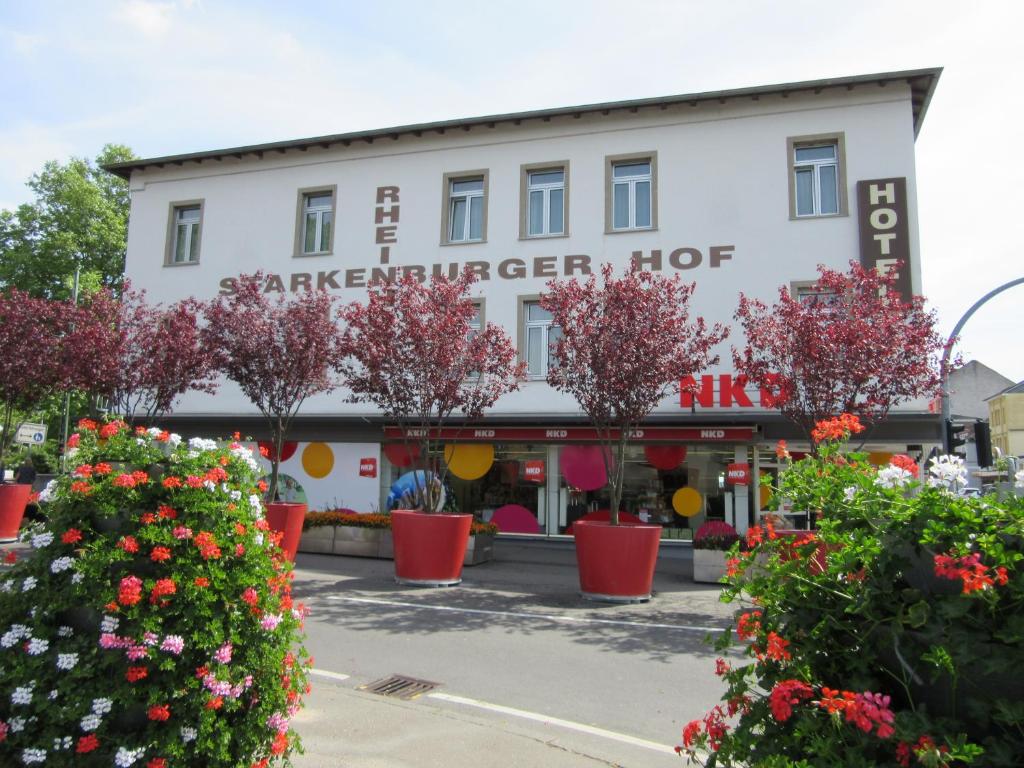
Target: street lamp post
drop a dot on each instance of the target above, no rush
(944, 365)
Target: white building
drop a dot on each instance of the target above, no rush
(741, 190)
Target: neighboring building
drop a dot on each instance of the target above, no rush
(740, 190)
(1006, 420)
(970, 387)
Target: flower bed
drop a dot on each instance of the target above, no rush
(891, 635)
(153, 624)
(710, 544)
(369, 535)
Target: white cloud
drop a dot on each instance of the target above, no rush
(152, 19)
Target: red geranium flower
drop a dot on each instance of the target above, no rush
(201, 581)
(157, 762)
(136, 673)
(87, 744)
(159, 712)
(166, 512)
(785, 694)
(128, 544)
(160, 554)
(171, 482)
(71, 536)
(103, 468)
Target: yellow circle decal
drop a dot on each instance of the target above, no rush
(318, 460)
(469, 462)
(687, 502)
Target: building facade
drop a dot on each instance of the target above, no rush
(743, 190)
(1006, 420)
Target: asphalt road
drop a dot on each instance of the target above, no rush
(517, 635)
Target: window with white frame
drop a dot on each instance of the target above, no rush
(541, 336)
(466, 210)
(317, 221)
(187, 222)
(546, 202)
(816, 179)
(632, 194)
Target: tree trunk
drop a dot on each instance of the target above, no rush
(275, 460)
(5, 439)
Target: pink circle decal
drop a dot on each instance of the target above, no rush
(665, 456)
(583, 467)
(514, 518)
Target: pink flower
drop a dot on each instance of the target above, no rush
(137, 652)
(173, 644)
(223, 654)
(270, 621)
(181, 532)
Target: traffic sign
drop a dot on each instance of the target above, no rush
(31, 434)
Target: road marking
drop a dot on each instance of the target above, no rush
(547, 720)
(523, 615)
(325, 673)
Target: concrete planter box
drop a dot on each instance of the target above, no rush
(709, 565)
(319, 541)
(377, 542)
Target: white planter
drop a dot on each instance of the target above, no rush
(480, 549)
(709, 565)
(361, 542)
(377, 542)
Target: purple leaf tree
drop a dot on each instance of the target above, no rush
(414, 353)
(855, 347)
(279, 351)
(625, 344)
(33, 359)
(140, 357)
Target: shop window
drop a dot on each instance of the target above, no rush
(539, 335)
(184, 233)
(816, 176)
(315, 225)
(465, 208)
(631, 193)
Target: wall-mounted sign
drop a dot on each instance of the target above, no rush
(31, 434)
(574, 434)
(368, 467)
(534, 471)
(882, 221)
(737, 474)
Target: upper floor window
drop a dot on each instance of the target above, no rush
(816, 176)
(317, 221)
(541, 335)
(545, 191)
(465, 211)
(631, 194)
(185, 232)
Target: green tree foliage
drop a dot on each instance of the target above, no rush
(79, 216)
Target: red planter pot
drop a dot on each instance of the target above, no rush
(616, 562)
(287, 517)
(13, 499)
(429, 549)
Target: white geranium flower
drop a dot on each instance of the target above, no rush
(236, 495)
(29, 756)
(109, 623)
(154, 432)
(47, 493)
(41, 540)
(16, 724)
(76, 578)
(210, 485)
(91, 722)
(62, 564)
(947, 472)
(52, 695)
(892, 477)
(174, 440)
(126, 757)
(66, 661)
(202, 444)
(29, 583)
(22, 695)
(188, 734)
(63, 631)
(37, 646)
(101, 706)
(850, 492)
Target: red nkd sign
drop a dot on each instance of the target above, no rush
(737, 474)
(534, 471)
(731, 392)
(368, 467)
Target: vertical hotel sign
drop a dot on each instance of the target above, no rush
(882, 220)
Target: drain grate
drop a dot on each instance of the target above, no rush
(399, 687)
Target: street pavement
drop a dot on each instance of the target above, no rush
(529, 673)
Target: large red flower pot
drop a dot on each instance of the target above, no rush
(429, 549)
(13, 499)
(287, 517)
(616, 562)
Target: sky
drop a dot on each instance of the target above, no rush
(176, 76)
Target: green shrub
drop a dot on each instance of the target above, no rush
(891, 635)
(153, 622)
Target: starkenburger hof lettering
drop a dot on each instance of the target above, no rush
(570, 265)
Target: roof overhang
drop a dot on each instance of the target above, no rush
(922, 84)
